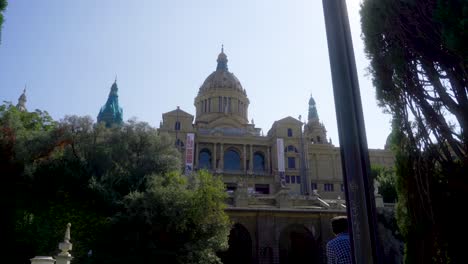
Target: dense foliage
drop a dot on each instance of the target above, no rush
(3, 5)
(419, 63)
(385, 178)
(120, 187)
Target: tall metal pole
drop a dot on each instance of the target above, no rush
(353, 144)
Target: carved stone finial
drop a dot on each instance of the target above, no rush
(66, 246)
(67, 233)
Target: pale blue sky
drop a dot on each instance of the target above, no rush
(68, 53)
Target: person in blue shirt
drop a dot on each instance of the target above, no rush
(339, 248)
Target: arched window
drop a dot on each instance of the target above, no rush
(289, 132)
(259, 162)
(177, 125)
(231, 160)
(204, 159)
(319, 139)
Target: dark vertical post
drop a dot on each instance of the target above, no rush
(353, 144)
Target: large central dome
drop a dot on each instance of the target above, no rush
(222, 78)
(221, 98)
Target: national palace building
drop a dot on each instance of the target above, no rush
(283, 187)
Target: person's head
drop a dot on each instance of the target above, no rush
(339, 224)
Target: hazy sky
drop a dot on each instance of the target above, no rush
(69, 52)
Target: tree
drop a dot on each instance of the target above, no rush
(386, 180)
(117, 182)
(418, 56)
(175, 220)
(3, 5)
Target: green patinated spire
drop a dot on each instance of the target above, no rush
(111, 113)
(313, 115)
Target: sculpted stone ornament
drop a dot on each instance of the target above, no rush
(66, 246)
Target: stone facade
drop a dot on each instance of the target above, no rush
(284, 215)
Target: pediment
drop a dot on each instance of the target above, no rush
(289, 120)
(178, 112)
(225, 122)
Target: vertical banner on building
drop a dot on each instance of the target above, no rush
(189, 149)
(280, 155)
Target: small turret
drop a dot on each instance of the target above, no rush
(315, 131)
(222, 61)
(22, 101)
(313, 115)
(111, 113)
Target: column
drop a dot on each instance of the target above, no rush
(213, 158)
(221, 158)
(195, 160)
(245, 158)
(251, 159)
(267, 164)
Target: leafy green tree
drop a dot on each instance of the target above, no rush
(175, 220)
(418, 55)
(3, 5)
(387, 182)
(104, 180)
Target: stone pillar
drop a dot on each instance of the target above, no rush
(245, 158)
(195, 160)
(64, 257)
(378, 197)
(267, 164)
(214, 158)
(251, 160)
(42, 260)
(221, 158)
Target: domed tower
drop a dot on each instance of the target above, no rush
(315, 131)
(221, 100)
(22, 101)
(111, 113)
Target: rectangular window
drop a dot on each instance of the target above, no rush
(291, 163)
(224, 104)
(293, 179)
(289, 132)
(209, 104)
(287, 178)
(177, 125)
(328, 187)
(313, 185)
(206, 105)
(298, 179)
(229, 105)
(262, 188)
